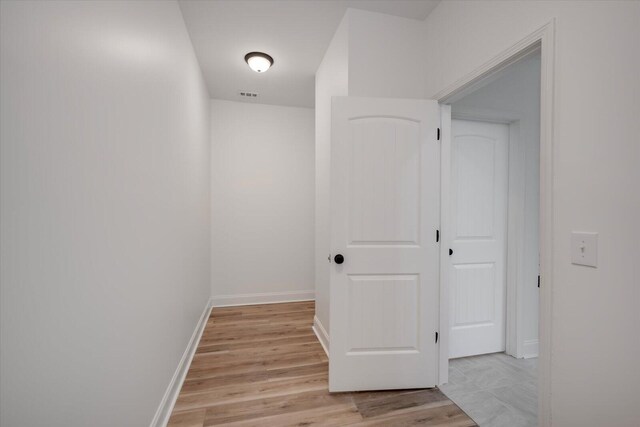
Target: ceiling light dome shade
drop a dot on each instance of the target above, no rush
(258, 61)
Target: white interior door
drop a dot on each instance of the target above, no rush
(385, 183)
(478, 237)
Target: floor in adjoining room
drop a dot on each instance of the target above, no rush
(496, 390)
(262, 365)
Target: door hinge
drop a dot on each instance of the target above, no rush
(538, 280)
(437, 236)
(438, 134)
(436, 337)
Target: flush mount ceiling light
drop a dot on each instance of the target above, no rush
(258, 61)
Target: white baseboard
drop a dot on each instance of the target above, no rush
(321, 333)
(530, 349)
(263, 298)
(168, 401)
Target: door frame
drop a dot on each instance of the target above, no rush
(542, 39)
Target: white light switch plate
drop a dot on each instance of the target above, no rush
(584, 248)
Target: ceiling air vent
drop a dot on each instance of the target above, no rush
(247, 94)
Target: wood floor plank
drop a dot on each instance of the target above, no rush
(243, 392)
(253, 366)
(268, 361)
(262, 365)
(267, 407)
(187, 419)
(261, 317)
(434, 414)
(262, 380)
(396, 401)
(232, 334)
(262, 351)
(337, 415)
(198, 385)
(263, 309)
(249, 344)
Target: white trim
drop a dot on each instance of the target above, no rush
(543, 39)
(530, 349)
(489, 115)
(515, 241)
(262, 298)
(321, 333)
(478, 78)
(163, 413)
(547, 229)
(445, 232)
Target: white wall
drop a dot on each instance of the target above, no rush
(263, 202)
(384, 55)
(332, 79)
(517, 91)
(595, 347)
(104, 209)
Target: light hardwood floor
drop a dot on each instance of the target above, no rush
(262, 365)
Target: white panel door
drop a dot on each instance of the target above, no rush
(385, 183)
(478, 237)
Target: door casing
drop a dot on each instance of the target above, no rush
(542, 39)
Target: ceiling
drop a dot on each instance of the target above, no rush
(295, 33)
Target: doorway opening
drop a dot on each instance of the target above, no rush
(492, 269)
(389, 305)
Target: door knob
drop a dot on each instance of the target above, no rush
(450, 252)
(339, 259)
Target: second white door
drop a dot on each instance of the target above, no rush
(479, 171)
